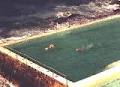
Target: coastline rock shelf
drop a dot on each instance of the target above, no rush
(20, 18)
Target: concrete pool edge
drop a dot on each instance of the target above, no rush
(98, 79)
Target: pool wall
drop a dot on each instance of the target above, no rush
(26, 73)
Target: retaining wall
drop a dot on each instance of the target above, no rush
(23, 75)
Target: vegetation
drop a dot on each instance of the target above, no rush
(115, 83)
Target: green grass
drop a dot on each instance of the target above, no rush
(115, 83)
(101, 44)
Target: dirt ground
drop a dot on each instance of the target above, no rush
(5, 83)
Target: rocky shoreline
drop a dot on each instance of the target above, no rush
(54, 24)
(58, 28)
(60, 16)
